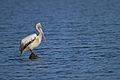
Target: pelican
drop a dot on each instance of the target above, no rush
(32, 41)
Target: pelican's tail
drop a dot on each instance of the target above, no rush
(21, 49)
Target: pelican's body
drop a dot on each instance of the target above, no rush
(32, 41)
(36, 40)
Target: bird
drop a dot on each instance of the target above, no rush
(32, 41)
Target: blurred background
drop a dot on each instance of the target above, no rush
(83, 39)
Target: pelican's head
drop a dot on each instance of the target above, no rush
(39, 25)
(39, 29)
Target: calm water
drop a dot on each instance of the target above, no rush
(83, 39)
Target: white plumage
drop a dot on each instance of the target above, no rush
(28, 38)
(32, 41)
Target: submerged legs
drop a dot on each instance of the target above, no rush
(33, 55)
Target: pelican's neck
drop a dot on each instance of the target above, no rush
(39, 30)
(40, 35)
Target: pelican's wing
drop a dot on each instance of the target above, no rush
(28, 38)
(26, 41)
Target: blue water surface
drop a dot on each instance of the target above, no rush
(83, 39)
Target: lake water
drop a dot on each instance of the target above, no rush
(83, 39)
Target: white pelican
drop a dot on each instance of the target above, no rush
(32, 41)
